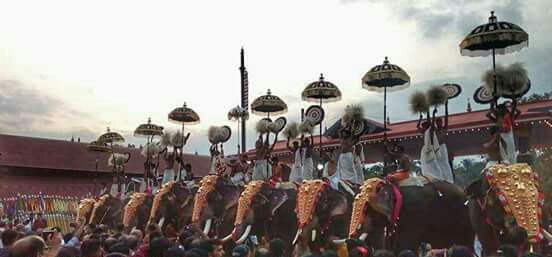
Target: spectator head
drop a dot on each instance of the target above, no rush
(407, 253)
(137, 234)
(174, 251)
(30, 246)
(196, 253)
(240, 251)
(188, 243)
(459, 251)
(68, 251)
(158, 246)
(329, 253)
(360, 251)
(276, 247)
(507, 251)
(212, 247)
(131, 242)
(9, 237)
(119, 248)
(91, 248)
(383, 253)
(262, 252)
(108, 243)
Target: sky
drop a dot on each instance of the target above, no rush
(73, 68)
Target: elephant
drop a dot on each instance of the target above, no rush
(401, 218)
(108, 210)
(172, 207)
(86, 206)
(215, 206)
(505, 201)
(267, 213)
(137, 211)
(323, 214)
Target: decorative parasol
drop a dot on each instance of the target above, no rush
(268, 104)
(111, 137)
(385, 77)
(148, 130)
(321, 91)
(238, 114)
(185, 116)
(494, 38)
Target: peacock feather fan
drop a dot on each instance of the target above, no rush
(418, 103)
(489, 79)
(262, 126)
(212, 134)
(306, 127)
(436, 95)
(353, 113)
(151, 149)
(292, 130)
(515, 78)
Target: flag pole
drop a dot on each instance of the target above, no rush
(244, 98)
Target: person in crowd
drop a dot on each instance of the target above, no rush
(306, 158)
(241, 251)
(504, 116)
(30, 246)
(68, 251)
(91, 248)
(262, 252)
(174, 251)
(296, 170)
(277, 248)
(460, 251)
(8, 239)
(383, 253)
(119, 247)
(158, 246)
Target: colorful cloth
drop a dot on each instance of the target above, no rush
(261, 171)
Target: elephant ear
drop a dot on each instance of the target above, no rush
(383, 201)
(277, 199)
(475, 189)
(338, 201)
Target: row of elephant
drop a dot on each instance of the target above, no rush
(314, 214)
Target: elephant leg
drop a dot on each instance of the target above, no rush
(486, 234)
(408, 238)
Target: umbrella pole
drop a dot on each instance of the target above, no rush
(181, 166)
(238, 136)
(268, 157)
(495, 95)
(384, 124)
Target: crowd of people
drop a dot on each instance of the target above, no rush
(103, 241)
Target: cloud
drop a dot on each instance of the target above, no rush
(31, 112)
(439, 18)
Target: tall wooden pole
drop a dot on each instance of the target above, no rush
(244, 98)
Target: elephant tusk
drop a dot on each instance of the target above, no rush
(207, 227)
(339, 241)
(313, 235)
(363, 236)
(297, 236)
(161, 221)
(228, 237)
(244, 236)
(547, 235)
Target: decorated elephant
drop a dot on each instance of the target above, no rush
(401, 218)
(137, 211)
(107, 210)
(215, 206)
(506, 201)
(266, 213)
(172, 207)
(323, 215)
(86, 206)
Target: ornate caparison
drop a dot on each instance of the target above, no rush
(246, 197)
(165, 189)
(136, 200)
(307, 197)
(362, 199)
(517, 189)
(97, 205)
(206, 186)
(85, 208)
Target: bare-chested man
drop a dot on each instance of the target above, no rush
(262, 153)
(308, 164)
(345, 170)
(297, 169)
(504, 119)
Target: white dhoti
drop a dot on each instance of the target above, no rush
(508, 149)
(168, 176)
(262, 171)
(297, 169)
(238, 179)
(345, 167)
(434, 159)
(308, 169)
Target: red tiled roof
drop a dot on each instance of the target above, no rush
(30, 152)
(458, 121)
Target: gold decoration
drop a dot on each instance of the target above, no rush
(85, 208)
(246, 197)
(307, 197)
(518, 185)
(206, 186)
(367, 192)
(136, 200)
(165, 189)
